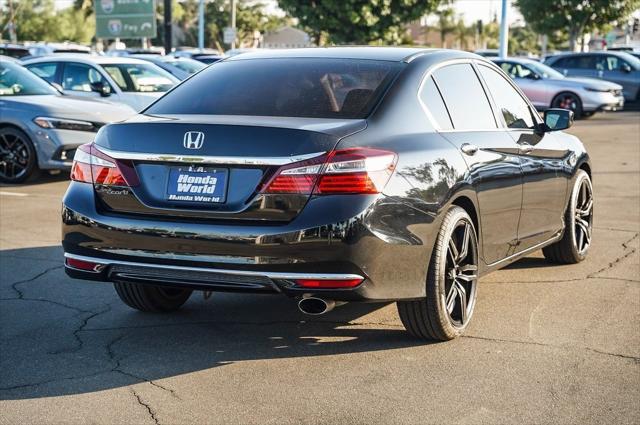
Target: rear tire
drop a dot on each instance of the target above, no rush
(149, 298)
(575, 243)
(450, 299)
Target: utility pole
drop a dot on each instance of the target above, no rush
(201, 25)
(233, 21)
(504, 30)
(11, 25)
(167, 27)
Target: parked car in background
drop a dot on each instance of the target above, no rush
(548, 88)
(487, 53)
(153, 50)
(40, 128)
(331, 175)
(618, 67)
(239, 51)
(206, 56)
(13, 50)
(37, 50)
(132, 81)
(179, 67)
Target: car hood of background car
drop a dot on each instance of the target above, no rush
(590, 83)
(71, 107)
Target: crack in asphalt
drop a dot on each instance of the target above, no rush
(14, 286)
(76, 333)
(542, 344)
(141, 402)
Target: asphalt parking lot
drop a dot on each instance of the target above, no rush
(548, 344)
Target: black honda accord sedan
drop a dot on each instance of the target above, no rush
(330, 176)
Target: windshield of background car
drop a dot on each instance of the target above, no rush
(283, 87)
(544, 70)
(17, 81)
(134, 77)
(188, 65)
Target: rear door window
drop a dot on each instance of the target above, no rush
(432, 99)
(465, 98)
(514, 109)
(285, 87)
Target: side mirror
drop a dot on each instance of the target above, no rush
(625, 68)
(102, 88)
(558, 119)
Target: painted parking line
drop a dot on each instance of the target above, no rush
(2, 193)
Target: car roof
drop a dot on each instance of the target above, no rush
(396, 54)
(88, 59)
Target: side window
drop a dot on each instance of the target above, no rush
(78, 77)
(465, 98)
(510, 69)
(115, 73)
(432, 100)
(613, 63)
(514, 109)
(44, 70)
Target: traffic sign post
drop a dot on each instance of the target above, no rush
(125, 18)
(229, 35)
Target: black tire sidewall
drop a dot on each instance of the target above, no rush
(436, 284)
(571, 214)
(32, 167)
(578, 111)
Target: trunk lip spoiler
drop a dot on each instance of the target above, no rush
(207, 159)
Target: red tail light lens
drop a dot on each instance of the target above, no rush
(328, 283)
(92, 166)
(84, 265)
(346, 171)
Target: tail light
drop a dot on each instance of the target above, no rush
(328, 283)
(92, 166)
(346, 171)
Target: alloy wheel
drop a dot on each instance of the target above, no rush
(15, 156)
(567, 101)
(583, 216)
(461, 274)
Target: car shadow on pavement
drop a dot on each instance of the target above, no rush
(43, 178)
(62, 336)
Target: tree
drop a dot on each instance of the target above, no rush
(446, 24)
(357, 21)
(575, 17)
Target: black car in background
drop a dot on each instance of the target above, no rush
(332, 175)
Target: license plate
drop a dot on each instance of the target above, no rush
(207, 186)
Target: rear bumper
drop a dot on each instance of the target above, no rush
(374, 237)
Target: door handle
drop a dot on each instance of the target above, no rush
(525, 147)
(469, 149)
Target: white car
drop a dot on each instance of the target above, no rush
(133, 82)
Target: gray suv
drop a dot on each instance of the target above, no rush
(618, 67)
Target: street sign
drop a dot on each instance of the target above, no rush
(229, 35)
(125, 18)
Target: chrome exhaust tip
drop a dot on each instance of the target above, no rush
(315, 306)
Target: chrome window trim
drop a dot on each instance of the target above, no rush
(205, 159)
(270, 275)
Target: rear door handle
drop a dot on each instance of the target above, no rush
(525, 147)
(469, 149)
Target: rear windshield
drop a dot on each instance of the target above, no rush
(291, 87)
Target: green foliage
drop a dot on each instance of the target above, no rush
(574, 17)
(250, 17)
(38, 20)
(357, 21)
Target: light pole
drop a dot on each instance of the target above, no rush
(504, 30)
(201, 25)
(233, 22)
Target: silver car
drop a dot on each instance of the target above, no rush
(617, 67)
(547, 88)
(40, 128)
(134, 82)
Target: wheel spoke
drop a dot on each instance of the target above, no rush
(464, 249)
(453, 250)
(467, 273)
(450, 301)
(462, 296)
